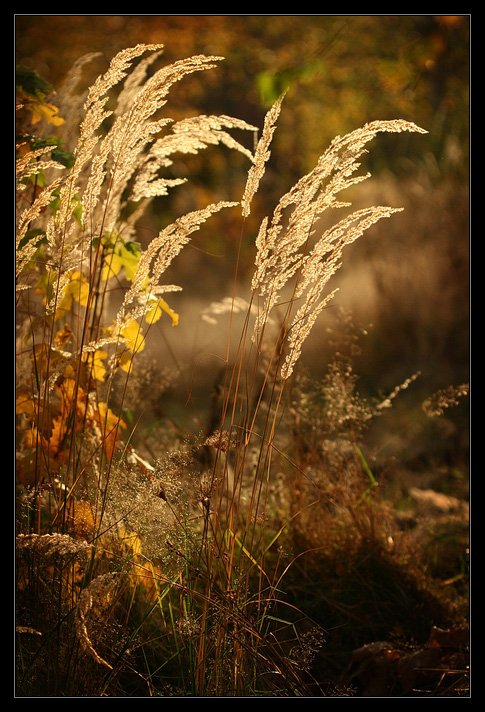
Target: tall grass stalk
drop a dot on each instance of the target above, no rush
(185, 551)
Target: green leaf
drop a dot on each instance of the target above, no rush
(76, 206)
(31, 235)
(66, 158)
(368, 472)
(31, 83)
(126, 255)
(366, 467)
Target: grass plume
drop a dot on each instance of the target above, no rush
(164, 571)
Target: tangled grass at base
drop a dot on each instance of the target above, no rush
(161, 575)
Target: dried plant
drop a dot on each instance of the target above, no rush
(73, 254)
(445, 398)
(95, 600)
(283, 250)
(189, 531)
(52, 544)
(73, 248)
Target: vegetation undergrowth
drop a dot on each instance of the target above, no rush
(185, 573)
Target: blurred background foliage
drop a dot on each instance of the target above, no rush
(409, 277)
(342, 71)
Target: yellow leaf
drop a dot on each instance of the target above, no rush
(95, 363)
(77, 290)
(112, 266)
(125, 256)
(131, 540)
(155, 312)
(24, 403)
(63, 335)
(41, 110)
(125, 361)
(111, 424)
(133, 336)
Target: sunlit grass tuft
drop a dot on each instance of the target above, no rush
(163, 570)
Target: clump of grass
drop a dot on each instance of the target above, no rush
(183, 551)
(328, 419)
